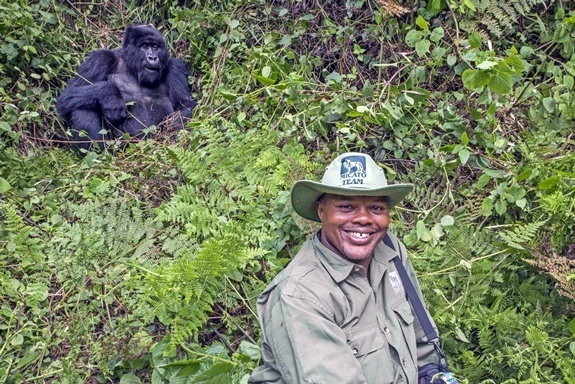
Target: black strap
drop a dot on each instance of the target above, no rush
(417, 304)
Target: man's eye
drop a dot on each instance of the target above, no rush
(379, 208)
(346, 207)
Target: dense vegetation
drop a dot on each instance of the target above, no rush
(144, 265)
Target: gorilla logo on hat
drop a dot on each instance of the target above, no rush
(353, 170)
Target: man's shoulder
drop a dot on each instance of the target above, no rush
(304, 275)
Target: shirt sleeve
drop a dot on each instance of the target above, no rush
(309, 347)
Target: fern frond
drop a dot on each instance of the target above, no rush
(22, 243)
(499, 18)
(521, 234)
(184, 290)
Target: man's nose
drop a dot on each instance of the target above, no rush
(362, 216)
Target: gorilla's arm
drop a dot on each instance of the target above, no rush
(91, 91)
(178, 87)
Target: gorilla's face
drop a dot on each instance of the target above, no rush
(146, 55)
(153, 59)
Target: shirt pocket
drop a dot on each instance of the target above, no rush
(365, 341)
(405, 315)
(370, 348)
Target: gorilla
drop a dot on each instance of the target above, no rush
(125, 90)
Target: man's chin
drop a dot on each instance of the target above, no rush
(357, 255)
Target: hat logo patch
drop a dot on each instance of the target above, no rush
(353, 170)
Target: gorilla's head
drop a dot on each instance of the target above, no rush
(145, 54)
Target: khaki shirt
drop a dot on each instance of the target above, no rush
(324, 323)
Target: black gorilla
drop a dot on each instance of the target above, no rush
(125, 90)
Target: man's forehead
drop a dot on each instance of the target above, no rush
(382, 199)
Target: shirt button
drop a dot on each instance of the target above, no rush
(354, 351)
(403, 362)
(356, 269)
(385, 329)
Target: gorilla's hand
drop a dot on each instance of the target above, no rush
(113, 105)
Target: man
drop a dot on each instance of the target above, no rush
(338, 313)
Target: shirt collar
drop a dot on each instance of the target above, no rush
(340, 268)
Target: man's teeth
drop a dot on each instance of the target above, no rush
(359, 235)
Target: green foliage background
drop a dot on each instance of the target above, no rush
(144, 265)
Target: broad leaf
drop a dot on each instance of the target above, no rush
(501, 83)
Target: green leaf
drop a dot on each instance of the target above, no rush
(4, 185)
(572, 326)
(437, 35)
(422, 47)
(470, 5)
(521, 203)
(482, 181)
(464, 138)
(501, 206)
(333, 77)
(487, 206)
(501, 83)
(568, 80)
(447, 221)
(422, 232)
(460, 335)
(475, 40)
(130, 378)
(525, 174)
(226, 94)
(464, 156)
(266, 71)
(487, 64)
(368, 89)
(549, 104)
(4, 126)
(422, 23)
(549, 183)
(265, 80)
(17, 340)
(434, 6)
(251, 350)
(515, 62)
(473, 78)
(286, 40)
(219, 373)
(412, 37)
(438, 52)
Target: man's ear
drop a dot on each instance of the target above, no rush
(319, 208)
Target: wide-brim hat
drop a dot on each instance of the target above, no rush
(350, 174)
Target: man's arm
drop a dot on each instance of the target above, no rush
(308, 346)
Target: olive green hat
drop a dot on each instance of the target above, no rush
(350, 174)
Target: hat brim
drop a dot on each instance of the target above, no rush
(305, 193)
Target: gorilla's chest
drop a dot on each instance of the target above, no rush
(147, 106)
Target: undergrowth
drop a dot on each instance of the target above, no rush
(144, 265)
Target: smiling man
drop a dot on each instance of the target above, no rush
(338, 313)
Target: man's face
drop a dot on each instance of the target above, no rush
(352, 226)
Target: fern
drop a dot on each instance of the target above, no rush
(22, 249)
(21, 257)
(498, 19)
(98, 233)
(183, 291)
(521, 234)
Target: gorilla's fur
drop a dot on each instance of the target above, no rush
(125, 90)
